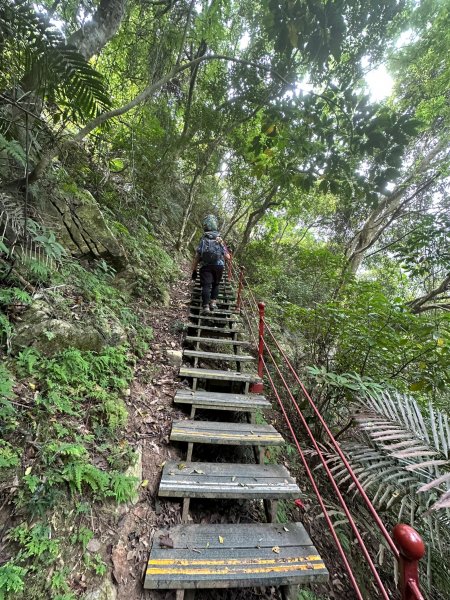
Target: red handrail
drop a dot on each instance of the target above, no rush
(407, 558)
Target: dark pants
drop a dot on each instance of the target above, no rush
(210, 277)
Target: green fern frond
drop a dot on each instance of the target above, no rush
(401, 461)
(419, 443)
(13, 149)
(48, 65)
(122, 487)
(11, 217)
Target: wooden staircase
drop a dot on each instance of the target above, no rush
(189, 556)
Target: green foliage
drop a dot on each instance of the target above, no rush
(35, 542)
(13, 149)
(95, 564)
(12, 579)
(48, 64)
(83, 536)
(7, 410)
(401, 458)
(9, 456)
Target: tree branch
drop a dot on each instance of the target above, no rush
(417, 305)
(51, 153)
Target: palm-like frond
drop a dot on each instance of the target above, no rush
(401, 459)
(406, 438)
(43, 60)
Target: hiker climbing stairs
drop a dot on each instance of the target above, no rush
(191, 556)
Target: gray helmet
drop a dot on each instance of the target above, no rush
(210, 223)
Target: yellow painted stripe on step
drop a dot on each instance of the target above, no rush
(233, 561)
(227, 435)
(236, 570)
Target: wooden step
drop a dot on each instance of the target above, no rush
(226, 330)
(218, 356)
(233, 555)
(223, 295)
(227, 480)
(196, 303)
(222, 286)
(230, 434)
(221, 401)
(211, 317)
(216, 374)
(221, 311)
(220, 341)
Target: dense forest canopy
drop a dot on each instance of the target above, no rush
(337, 204)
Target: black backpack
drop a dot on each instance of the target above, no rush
(211, 248)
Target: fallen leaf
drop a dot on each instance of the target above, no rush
(199, 472)
(144, 483)
(162, 464)
(220, 539)
(32, 386)
(276, 549)
(165, 541)
(285, 528)
(181, 466)
(27, 470)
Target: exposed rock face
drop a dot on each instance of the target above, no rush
(175, 357)
(42, 330)
(107, 591)
(79, 224)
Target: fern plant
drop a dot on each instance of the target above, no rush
(401, 458)
(12, 149)
(39, 56)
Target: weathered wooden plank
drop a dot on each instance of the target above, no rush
(222, 286)
(197, 302)
(225, 480)
(221, 401)
(234, 434)
(227, 330)
(220, 341)
(218, 310)
(218, 375)
(209, 317)
(241, 555)
(218, 355)
(237, 536)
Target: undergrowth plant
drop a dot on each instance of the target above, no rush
(73, 410)
(401, 457)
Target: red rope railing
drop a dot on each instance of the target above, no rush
(406, 545)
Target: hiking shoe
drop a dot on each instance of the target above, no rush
(206, 309)
(213, 305)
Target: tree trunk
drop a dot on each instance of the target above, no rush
(92, 37)
(256, 216)
(391, 207)
(187, 211)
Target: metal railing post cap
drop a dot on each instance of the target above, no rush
(261, 306)
(408, 541)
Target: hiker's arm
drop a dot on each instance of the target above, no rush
(226, 252)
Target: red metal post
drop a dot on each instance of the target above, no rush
(412, 549)
(257, 388)
(241, 284)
